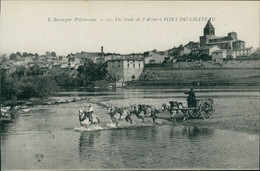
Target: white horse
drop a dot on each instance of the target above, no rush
(85, 118)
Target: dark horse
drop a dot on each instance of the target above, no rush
(117, 114)
(147, 109)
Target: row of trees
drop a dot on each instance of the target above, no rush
(38, 82)
(191, 57)
(21, 86)
(15, 56)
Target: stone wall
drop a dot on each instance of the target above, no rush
(210, 76)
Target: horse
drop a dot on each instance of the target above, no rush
(173, 107)
(144, 108)
(147, 109)
(85, 120)
(117, 114)
(134, 109)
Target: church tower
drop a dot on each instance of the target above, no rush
(209, 29)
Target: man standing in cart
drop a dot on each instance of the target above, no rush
(191, 98)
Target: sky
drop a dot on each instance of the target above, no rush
(30, 26)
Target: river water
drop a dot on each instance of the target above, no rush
(45, 138)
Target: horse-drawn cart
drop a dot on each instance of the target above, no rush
(203, 109)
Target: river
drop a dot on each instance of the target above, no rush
(45, 138)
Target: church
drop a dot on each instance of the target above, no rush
(229, 42)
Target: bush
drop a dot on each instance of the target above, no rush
(91, 72)
(22, 87)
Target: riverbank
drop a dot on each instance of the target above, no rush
(174, 85)
(10, 108)
(198, 77)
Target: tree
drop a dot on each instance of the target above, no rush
(20, 71)
(19, 87)
(39, 86)
(53, 54)
(25, 54)
(205, 57)
(3, 58)
(8, 86)
(61, 77)
(35, 70)
(13, 56)
(47, 53)
(18, 54)
(91, 72)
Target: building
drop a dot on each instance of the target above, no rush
(99, 60)
(92, 56)
(73, 62)
(154, 57)
(256, 54)
(231, 54)
(111, 56)
(125, 69)
(133, 55)
(84, 56)
(219, 55)
(229, 42)
(178, 51)
(243, 52)
(205, 50)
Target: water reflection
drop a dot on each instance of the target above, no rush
(5, 125)
(195, 131)
(141, 133)
(87, 142)
(144, 146)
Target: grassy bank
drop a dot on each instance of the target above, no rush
(199, 77)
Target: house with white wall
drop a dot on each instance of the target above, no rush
(219, 55)
(125, 69)
(243, 52)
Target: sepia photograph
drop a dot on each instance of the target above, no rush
(129, 85)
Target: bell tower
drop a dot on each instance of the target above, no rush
(209, 29)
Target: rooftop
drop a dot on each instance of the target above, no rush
(239, 41)
(203, 48)
(209, 25)
(226, 41)
(127, 58)
(219, 51)
(249, 48)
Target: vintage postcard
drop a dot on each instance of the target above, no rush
(125, 85)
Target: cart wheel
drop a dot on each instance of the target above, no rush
(206, 110)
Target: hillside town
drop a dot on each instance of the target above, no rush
(211, 51)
